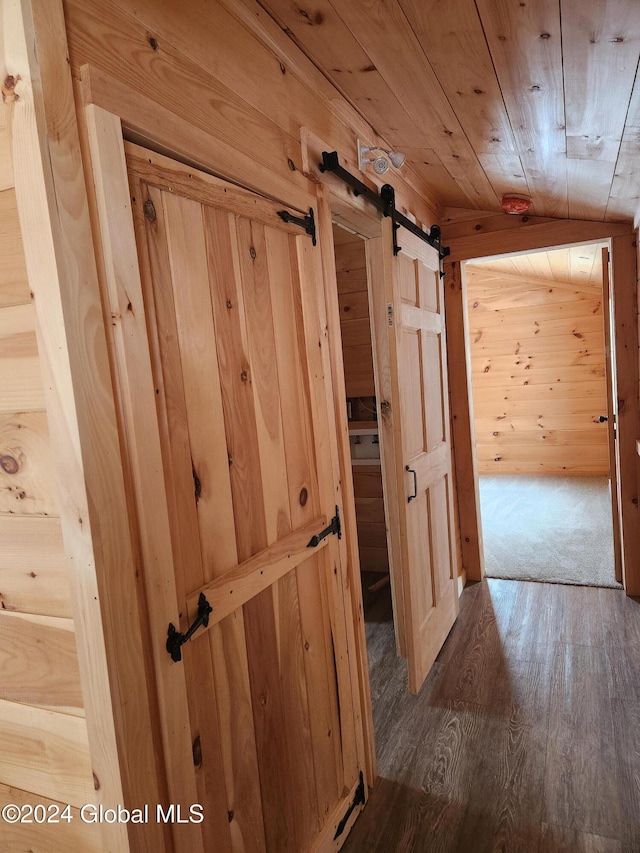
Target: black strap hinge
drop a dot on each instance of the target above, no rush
(307, 222)
(358, 800)
(334, 527)
(175, 639)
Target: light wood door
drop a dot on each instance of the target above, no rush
(611, 414)
(410, 356)
(233, 303)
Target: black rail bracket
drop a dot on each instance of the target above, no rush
(385, 201)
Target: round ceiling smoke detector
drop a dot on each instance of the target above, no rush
(515, 203)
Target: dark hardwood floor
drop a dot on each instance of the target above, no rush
(525, 737)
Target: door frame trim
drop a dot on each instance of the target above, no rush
(469, 240)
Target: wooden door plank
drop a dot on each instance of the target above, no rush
(201, 382)
(296, 422)
(255, 275)
(166, 174)
(611, 414)
(250, 525)
(312, 310)
(204, 526)
(462, 422)
(349, 552)
(124, 295)
(237, 586)
(624, 279)
(385, 361)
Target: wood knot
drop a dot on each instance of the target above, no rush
(153, 43)
(244, 376)
(9, 464)
(149, 210)
(96, 782)
(291, 164)
(303, 496)
(197, 752)
(8, 88)
(252, 252)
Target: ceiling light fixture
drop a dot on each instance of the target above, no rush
(380, 164)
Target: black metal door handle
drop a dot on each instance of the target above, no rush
(415, 483)
(602, 419)
(175, 639)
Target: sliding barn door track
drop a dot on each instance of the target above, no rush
(385, 201)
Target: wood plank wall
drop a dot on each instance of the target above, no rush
(354, 314)
(44, 751)
(537, 361)
(359, 382)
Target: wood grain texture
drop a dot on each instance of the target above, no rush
(532, 310)
(39, 663)
(34, 576)
(81, 416)
(14, 286)
(47, 837)
(20, 373)
(539, 757)
(243, 509)
(46, 753)
(26, 470)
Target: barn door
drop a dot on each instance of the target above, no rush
(231, 297)
(411, 366)
(611, 414)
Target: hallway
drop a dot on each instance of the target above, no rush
(525, 737)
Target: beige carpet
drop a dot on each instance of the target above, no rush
(555, 529)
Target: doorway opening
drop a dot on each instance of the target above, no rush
(539, 330)
(362, 414)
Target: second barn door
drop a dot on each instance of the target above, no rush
(232, 297)
(410, 357)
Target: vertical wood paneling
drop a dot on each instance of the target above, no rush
(155, 299)
(537, 361)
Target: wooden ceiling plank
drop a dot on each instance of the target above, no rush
(428, 166)
(525, 44)
(320, 32)
(392, 47)
(600, 48)
(453, 29)
(624, 199)
(560, 263)
(487, 272)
